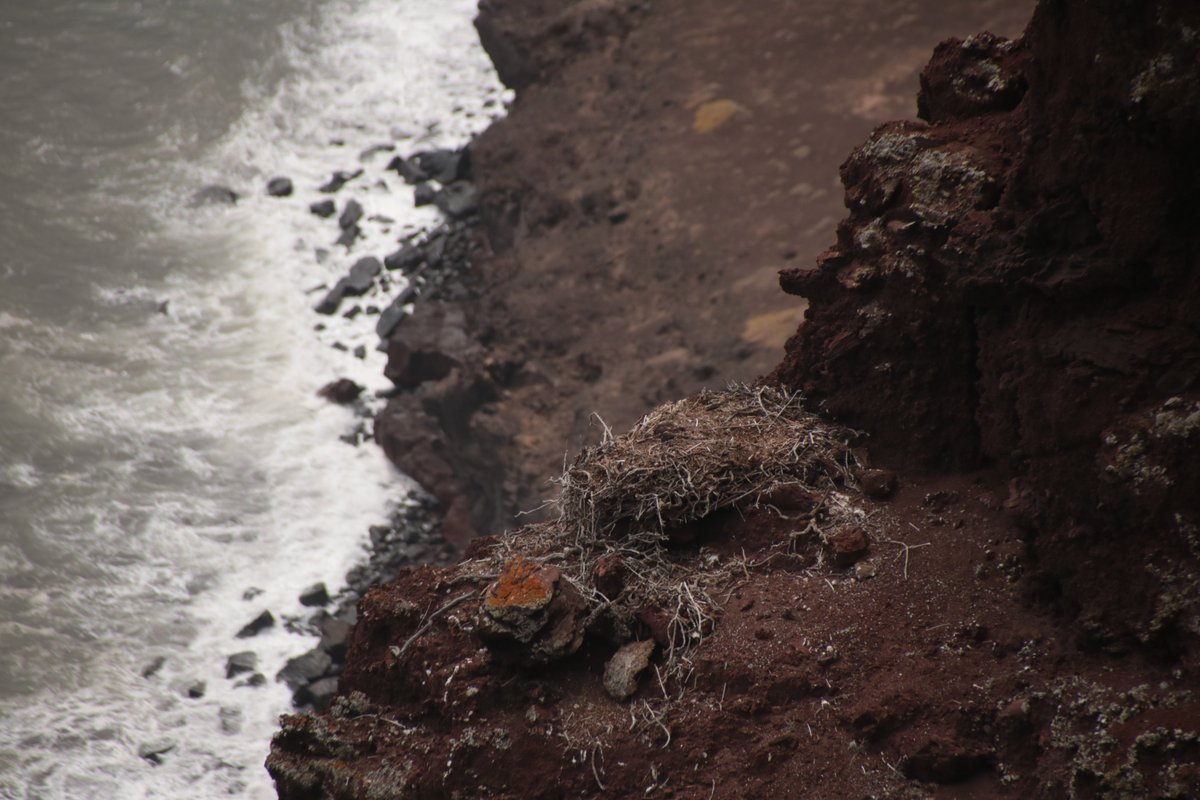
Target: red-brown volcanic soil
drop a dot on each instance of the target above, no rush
(1004, 315)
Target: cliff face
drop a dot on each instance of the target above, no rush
(1004, 313)
(1015, 285)
(659, 165)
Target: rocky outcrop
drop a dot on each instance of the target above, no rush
(1012, 287)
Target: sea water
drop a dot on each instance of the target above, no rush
(166, 469)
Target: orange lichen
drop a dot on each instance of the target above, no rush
(521, 583)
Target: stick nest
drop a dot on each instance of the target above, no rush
(689, 458)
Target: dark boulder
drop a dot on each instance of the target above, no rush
(430, 346)
(349, 236)
(423, 195)
(279, 187)
(318, 694)
(390, 317)
(444, 166)
(257, 625)
(245, 661)
(362, 276)
(351, 214)
(332, 299)
(323, 208)
(458, 200)
(335, 636)
(341, 391)
(196, 690)
(407, 257)
(406, 169)
(339, 180)
(317, 594)
(304, 669)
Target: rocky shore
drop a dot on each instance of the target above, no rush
(1002, 323)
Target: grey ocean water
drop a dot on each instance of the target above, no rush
(161, 450)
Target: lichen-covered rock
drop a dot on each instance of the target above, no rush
(532, 613)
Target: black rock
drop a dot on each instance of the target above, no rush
(215, 196)
(151, 669)
(360, 352)
(423, 195)
(458, 200)
(318, 694)
(405, 258)
(435, 249)
(279, 187)
(335, 635)
(349, 236)
(351, 214)
(317, 594)
(362, 276)
(339, 180)
(254, 681)
(323, 208)
(257, 625)
(154, 751)
(444, 166)
(197, 690)
(406, 169)
(245, 661)
(332, 299)
(341, 391)
(251, 593)
(304, 669)
(390, 317)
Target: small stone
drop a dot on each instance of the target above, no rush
(622, 671)
(151, 669)
(279, 187)
(245, 661)
(323, 208)
(423, 195)
(317, 594)
(341, 391)
(254, 681)
(196, 690)
(260, 623)
(307, 668)
(848, 546)
(879, 484)
(458, 200)
(317, 694)
(864, 570)
(155, 750)
(251, 593)
(339, 180)
(351, 214)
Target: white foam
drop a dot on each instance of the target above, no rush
(220, 390)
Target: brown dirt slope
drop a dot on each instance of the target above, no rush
(1006, 306)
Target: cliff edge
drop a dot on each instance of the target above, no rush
(947, 548)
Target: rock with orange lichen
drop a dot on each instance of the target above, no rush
(531, 614)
